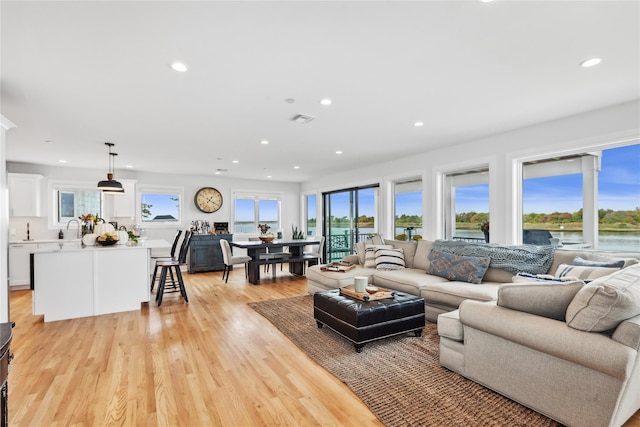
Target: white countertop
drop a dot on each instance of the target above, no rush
(33, 241)
(69, 246)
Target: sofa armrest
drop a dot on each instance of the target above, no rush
(628, 333)
(353, 259)
(590, 349)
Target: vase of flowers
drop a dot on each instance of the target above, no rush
(485, 229)
(265, 235)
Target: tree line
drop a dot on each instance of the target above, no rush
(605, 216)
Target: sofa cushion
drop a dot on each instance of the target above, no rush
(449, 325)
(370, 254)
(605, 302)
(457, 267)
(389, 259)
(409, 280)
(361, 247)
(583, 273)
(451, 294)
(408, 249)
(613, 263)
(334, 279)
(566, 256)
(421, 257)
(499, 275)
(542, 299)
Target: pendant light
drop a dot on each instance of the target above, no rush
(110, 185)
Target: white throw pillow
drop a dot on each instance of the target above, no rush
(370, 254)
(605, 302)
(389, 259)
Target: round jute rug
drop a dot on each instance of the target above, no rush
(408, 386)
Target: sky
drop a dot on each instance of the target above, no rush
(162, 204)
(618, 189)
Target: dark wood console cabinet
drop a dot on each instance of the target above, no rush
(205, 253)
(5, 358)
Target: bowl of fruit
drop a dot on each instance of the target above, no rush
(107, 239)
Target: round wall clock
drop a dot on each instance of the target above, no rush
(208, 199)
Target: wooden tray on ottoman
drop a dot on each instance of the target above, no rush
(366, 296)
(341, 267)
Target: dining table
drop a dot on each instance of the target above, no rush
(296, 260)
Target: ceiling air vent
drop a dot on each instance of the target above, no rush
(302, 118)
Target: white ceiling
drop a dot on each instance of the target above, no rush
(78, 74)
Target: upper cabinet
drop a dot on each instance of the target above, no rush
(24, 194)
(124, 205)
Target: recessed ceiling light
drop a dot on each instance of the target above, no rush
(179, 66)
(62, 161)
(338, 152)
(234, 161)
(325, 101)
(48, 141)
(264, 142)
(269, 176)
(217, 172)
(486, 1)
(296, 167)
(289, 100)
(590, 62)
(418, 124)
(128, 166)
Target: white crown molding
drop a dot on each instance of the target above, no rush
(6, 123)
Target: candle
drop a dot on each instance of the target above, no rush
(360, 283)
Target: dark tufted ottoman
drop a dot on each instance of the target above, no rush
(361, 322)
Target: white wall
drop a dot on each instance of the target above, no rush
(613, 126)
(191, 183)
(4, 223)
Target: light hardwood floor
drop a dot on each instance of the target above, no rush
(212, 362)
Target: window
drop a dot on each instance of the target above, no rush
(467, 207)
(552, 199)
(619, 199)
(251, 209)
(349, 217)
(589, 199)
(311, 214)
(70, 200)
(408, 209)
(160, 207)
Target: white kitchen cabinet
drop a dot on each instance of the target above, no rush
(124, 205)
(24, 194)
(19, 272)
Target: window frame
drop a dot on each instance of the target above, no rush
(57, 186)
(256, 196)
(151, 189)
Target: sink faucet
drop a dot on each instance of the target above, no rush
(79, 235)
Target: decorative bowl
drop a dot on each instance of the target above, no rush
(372, 289)
(267, 238)
(107, 242)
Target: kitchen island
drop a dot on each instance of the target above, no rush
(73, 280)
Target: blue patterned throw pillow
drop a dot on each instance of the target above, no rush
(457, 267)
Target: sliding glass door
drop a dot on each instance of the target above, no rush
(349, 217)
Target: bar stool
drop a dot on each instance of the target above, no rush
(165, 258)
(166, 266)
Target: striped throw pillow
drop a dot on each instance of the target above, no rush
(583, 273)
(370, 254)
(389, 259)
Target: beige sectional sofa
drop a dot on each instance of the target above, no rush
(440, 294)
(514, 337)
(535, 354)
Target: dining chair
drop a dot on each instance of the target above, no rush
(171, 256)
(269, 255)
(230, 260)
(174, 264)
(315, 252)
